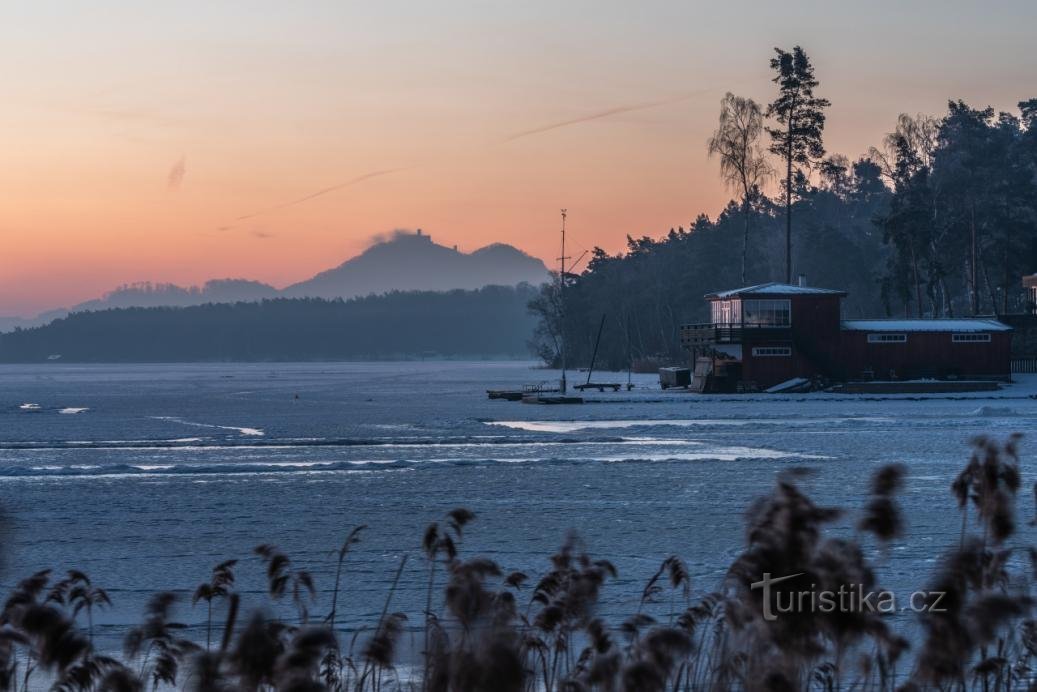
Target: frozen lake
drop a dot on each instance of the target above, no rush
(145, 476)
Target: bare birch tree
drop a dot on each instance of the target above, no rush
(743, 161)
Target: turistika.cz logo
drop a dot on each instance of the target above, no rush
(849, 598)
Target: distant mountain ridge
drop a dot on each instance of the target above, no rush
(146, 295)
(404, 262)
(412, 262)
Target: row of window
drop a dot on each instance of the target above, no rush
(902, 338)
(766, 313)
(753, 313)
(770, 351)
(887, 338)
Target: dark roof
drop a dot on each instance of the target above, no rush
(775, 289)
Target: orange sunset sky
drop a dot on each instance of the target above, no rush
(135, 136)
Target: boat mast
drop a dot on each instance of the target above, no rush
(630, 358)
(561, 304)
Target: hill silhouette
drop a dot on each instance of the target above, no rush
(404, 261)
(143, 295)
(411, 261)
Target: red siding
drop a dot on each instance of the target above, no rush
(815, 344)
(817, 333)
(926, 354)
(767, 371)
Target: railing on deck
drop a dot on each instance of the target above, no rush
(541, 388)
(1025, 365)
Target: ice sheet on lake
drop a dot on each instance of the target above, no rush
(994, 412)
(573, 426)
(720, 454)
(99, 506)
(286, 468)
(252, 432)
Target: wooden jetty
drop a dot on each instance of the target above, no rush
(551, 399)
(527, 390)
(600, 386)
(506, 394)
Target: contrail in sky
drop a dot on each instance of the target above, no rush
(605, 114)
(518, 135)
(318, 193)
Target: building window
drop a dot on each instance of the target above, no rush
(766, 313)
(969, 338)
(887, 338)
(727, 312)
(772, 351)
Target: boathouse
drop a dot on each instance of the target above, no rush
(765, 335)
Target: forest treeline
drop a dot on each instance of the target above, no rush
(492, 321)
(937, 220)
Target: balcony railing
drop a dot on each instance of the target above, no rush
(710, 333)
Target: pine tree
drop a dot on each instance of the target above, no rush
(801, 119)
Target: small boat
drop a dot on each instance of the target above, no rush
(546, 393)
(600, 386)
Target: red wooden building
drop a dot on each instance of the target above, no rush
(761, 336)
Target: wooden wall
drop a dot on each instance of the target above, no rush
(927, 354)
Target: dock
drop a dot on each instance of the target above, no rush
(600, 386)
(551, 399)
(506, 394)
(527, 390)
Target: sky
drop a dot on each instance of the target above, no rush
(184, 141)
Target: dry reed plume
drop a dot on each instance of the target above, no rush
(497, 631)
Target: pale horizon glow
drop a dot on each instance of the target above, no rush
(181, 142)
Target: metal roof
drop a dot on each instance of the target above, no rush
(923, 325)
(775, 289)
